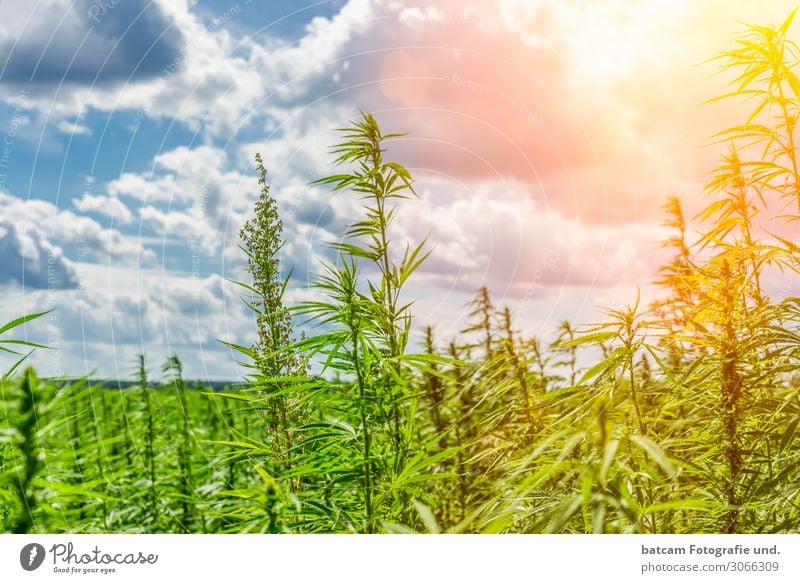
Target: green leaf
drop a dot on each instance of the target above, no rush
(21, 320)
(608, 458)
(655, 452)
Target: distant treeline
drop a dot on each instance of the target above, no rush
(196, 385)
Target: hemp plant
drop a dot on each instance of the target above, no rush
(262, 238)
(368, 409)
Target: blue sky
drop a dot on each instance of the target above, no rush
(128, 129)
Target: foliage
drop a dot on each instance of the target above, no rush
(80, 457)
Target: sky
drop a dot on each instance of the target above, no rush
(544, 137)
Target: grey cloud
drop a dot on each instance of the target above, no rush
(91, 42)
(30, 260)
(318, 214)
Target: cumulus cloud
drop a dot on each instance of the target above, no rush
(496, 235)
(109, 206)
(153, 310)
(81, 234)
(74, 128)
(198, 74)
(85, 42)
(29, 259)
(147, 312)
(191, 193)
(203, 195)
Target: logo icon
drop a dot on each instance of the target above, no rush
(31, 556)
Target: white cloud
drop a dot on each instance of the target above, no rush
(213, 80)
(496, 234)
(81, 234)
(74, 128)
(146, 311)
(109, 206)
(192, 194)
(28, 258)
